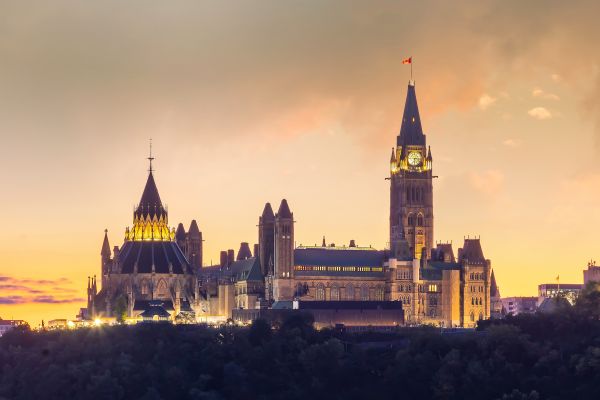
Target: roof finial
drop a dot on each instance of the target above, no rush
(150, 158)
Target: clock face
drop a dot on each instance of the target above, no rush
(414, 158)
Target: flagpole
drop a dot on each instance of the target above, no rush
(411, 63)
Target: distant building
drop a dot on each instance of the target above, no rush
(592, 273)
(519, 305)
(8, 324)
(569, 291)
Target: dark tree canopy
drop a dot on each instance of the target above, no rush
(532, 357)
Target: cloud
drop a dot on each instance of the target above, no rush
(54, 300)
(486, 101)
(36, 291)
(540, 113)
(511, 142)
(539, 93)
(489, 183)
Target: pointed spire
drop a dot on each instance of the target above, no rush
(105, 252)
(150, 203)
(429, 153)
(393, 157)
(411, 131)
(494, 291)
(194, 232)
(284, 210)
(180, 233)
(324, 244)
(268, 214)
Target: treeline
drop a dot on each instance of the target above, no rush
(546, 356)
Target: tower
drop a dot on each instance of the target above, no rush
(266, 231)
(105, 254)
(411, 189)
(194, 245)
(283, 273)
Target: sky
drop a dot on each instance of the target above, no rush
(250, 102)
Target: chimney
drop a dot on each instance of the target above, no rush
(223, 259)
(230, 257)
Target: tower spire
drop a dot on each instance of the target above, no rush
(150, 158)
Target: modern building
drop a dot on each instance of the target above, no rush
(519, 305)
(569, 291)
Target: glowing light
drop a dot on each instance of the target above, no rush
(97, 322)
(71, 324)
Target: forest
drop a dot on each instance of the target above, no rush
(539, 356)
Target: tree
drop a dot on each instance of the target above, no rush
(120, 309)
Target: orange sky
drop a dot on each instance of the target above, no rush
(249, 102)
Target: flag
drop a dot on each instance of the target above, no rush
(407, 60)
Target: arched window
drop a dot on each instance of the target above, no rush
(379, 293)
(320, 292)
(472, 316)
(411, 220)
(480, 316)
(420, 220)
(335, 293)
(472, 301)
(145, 287)
(364, 293)
(350, 292)
(161, 289)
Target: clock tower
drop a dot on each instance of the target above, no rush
(411, 189)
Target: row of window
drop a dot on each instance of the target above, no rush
(404, 275)
(415, 195)
(418, 221)
(474, 289)
(336, 269)
(363, 292)
(476, 276)
(476, 301)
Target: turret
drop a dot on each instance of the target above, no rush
(393, 163)
(284, 253)
(105, 254)
(194, 245)
(266, 238)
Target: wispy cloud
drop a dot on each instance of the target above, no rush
(541, 94)
(485, 101)
(511, 142)
(540, 113)
(41, 291)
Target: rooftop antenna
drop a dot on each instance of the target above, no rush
(150, 158)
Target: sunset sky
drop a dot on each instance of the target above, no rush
(254, 101)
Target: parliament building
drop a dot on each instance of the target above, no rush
(158, 272)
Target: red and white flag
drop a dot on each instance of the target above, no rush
(407, 60)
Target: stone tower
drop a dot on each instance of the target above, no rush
(411, 190)
(194, 245)
(266, 239)
(283, 273)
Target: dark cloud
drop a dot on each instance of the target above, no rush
(28, 291)
(53, 300)
(12, 300)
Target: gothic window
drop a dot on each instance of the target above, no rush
(472, 301)
(472, 316)
(379, 294)
(161, 289)
(411, 220)
(335, 293)
(480, 316)
(350, 292)
(364, 293)
(320, 292)
(420, 220)
(145, 289)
